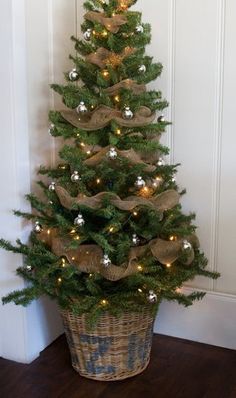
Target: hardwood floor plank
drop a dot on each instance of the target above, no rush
(178, 369)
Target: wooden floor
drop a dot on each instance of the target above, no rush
(178, 369)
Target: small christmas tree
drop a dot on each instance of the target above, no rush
(110, 235)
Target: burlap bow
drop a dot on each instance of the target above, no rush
(127, 84)
(111, 24)
(103, 57)
(130, 154)
(162, 202)
(88, 258)
(103, 115)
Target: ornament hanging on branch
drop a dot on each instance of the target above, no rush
(38, 227)
(79, 221)
(51, 128)
(140, 183)
(106, 262)
(52, 186)
(139, 29)
(88, 34)
(152, 297)
(142, 68)
(81, 108)
(161, 119)
(187, 245)
(75, 177)
(73, 75)
(135, 240)
(161, 162)
(127, 113)
(112, 154)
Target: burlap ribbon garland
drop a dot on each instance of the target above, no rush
(103, 57)
(162, 202)
(126, 84)
(130, 155)
(103, 115)
(111, 24)
(88, 258)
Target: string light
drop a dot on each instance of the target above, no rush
(90, 275)
(135, 213)
(63, 261)
(146, 192)
(139, 267)
(104, 33)
(88, 152)
(123, 5)
(98, 181)
(77, 237)
(104, 302)
(117, 98)
(82, 144)
(140, 291)
(59, 280)
(78, 135)
(48, 231)
(157, 181)
(73, 231)
(118, 131)
(111, 229)
(168, 265)
(73, 258)
(173, 238)
(105, 73)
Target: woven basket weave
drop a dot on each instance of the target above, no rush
(116, 349)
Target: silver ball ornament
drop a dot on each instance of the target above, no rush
(79, 221)
(88, 34)
(139, 29)
(135, 240)
(140, 183)
(142, 69)
(51, 128)
(161, 119)
(161, 162)
(38, 227)
(152, 297)
(106, 262)
(75, 177)
(81, 108)
(186, 245)
(73, 75)
(127, 113)
(52, 186)
(112, 154)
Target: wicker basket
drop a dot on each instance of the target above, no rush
(116, 349)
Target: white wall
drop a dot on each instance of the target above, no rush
(23, 332)
(195, 42)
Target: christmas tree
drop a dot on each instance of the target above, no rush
(110, 234)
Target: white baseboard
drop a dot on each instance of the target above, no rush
(211, 321)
